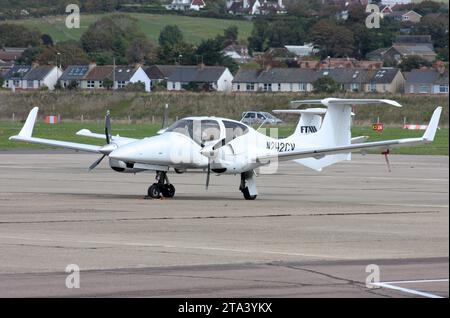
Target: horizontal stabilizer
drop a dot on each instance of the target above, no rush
(314, 111)
(342, 101)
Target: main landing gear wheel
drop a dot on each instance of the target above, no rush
(154, 191)
(162, 187)
(168, 191)
(247, 194)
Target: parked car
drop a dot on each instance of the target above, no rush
(255, 117)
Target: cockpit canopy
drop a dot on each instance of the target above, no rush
(204, 130)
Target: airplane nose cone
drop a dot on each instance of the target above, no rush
(148, 150)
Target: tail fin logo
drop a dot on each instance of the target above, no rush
(308, 129)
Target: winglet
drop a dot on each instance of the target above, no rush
(27, 128)
(433, 125)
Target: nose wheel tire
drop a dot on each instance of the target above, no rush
(247, 194)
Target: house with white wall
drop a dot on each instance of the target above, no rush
(274, 80)
(93, 77)
(185, 5)
(28, 78)
(216, 78)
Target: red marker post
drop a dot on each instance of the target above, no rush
(378, 127)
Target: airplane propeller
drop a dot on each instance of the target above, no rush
(108, 148)
(210, 152)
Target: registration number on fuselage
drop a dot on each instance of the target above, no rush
(281, 146)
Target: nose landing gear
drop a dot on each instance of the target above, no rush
(248, 185)
(162, 187)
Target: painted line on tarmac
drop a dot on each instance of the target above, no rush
(393, 285)
(205, 248)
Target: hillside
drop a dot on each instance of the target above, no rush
(194, 29)
(142, 106)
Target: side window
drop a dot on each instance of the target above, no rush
(261, 116)
(210, 130)
(247, 115)
(234, 130)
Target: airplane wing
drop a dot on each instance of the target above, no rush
(320, 152)
(117, 139)
(27, 130)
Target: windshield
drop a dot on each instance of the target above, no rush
(200, 131)
(184, 127)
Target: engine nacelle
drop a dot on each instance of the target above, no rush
(121, 166)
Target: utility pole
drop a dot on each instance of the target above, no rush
(114, 73)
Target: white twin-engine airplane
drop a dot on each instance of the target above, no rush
(225, 146)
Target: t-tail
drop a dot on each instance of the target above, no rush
(335, 130)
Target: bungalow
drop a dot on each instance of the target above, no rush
(159, 73)
(426, 81)
(350, 80)
(216, 78)
(13, 79)
(274, 80)
(74, 74)
(397, 52)
(96, 77)
(131, 74)
(302, 80)
(406, 16)
(385, 80)
(93, 76)
(42, 76)
(26, 77)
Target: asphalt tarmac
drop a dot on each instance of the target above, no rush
(308, 234)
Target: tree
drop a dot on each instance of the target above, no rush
(212, 54)
(30, 55)
(258, 38)
(111, 36)
(182, 53)
(277, 32)
(141, 50)
(108, 83)
(332, 39)
(437, 27)
(231, 34)
(47, 40)
(171, 35)
(70, 53)
(325, 84)
(413, 62)
(18, 36)
(72, 85)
